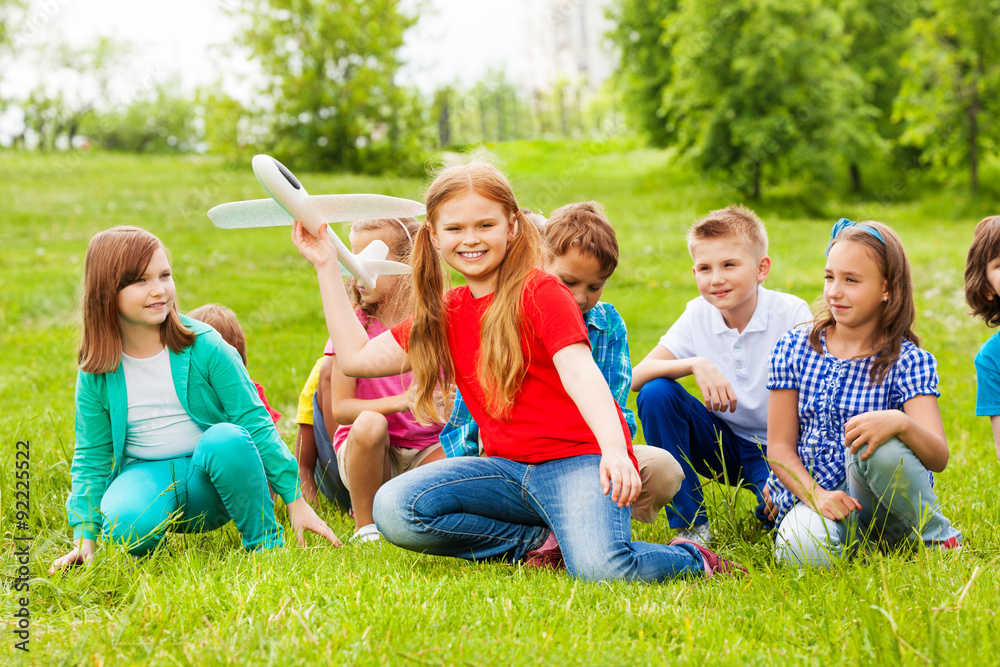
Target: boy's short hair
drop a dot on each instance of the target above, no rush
(224, 321)
(978, 290)
(733, 222)
(585, 227)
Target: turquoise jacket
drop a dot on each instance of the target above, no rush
(213, 387)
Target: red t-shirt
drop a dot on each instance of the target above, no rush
(544, 423)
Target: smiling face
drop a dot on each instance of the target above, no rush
(471, 233)
(727, 274)
(147, 302)
(855, 289)
(581, 274)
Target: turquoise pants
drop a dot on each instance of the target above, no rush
(223, 479)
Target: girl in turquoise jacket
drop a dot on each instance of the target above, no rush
(170, 431)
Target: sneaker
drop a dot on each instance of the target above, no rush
(547, 555)
(947, 545)
(700, 534)
(713, 562)
(365, 534)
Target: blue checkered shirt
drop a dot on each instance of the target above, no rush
(832, 391)
(609, 344)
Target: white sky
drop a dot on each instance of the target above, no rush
(454, 40)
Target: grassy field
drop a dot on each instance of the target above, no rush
(201, 600)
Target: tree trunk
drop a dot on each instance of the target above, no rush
(973, 139)
(756, 181)
(444, 122)
(855, 178)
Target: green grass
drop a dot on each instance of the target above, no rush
(202, 600)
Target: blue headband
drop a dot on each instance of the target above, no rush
(843, 224)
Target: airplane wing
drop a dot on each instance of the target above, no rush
(333, 208)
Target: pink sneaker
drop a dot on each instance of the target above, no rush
(713, 562)
(547, 555)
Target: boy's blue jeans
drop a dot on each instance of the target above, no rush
(493, 508)
(897, 503)
(676, 421)
(223, 479)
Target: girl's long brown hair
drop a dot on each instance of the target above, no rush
(501, 364)
(115, 259)
(400, 231)
(898, 313)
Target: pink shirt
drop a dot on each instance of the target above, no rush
(404, 431)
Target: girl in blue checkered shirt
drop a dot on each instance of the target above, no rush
(854, 428)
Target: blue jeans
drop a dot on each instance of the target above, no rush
(327, 472)
(223, 479)
(676, 421)
(897, 500)
(496, 509)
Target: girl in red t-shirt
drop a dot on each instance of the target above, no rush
(559, 461)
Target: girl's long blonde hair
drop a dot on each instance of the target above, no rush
(400, 232)
(115, 259)
(501, 363)
(898, 313)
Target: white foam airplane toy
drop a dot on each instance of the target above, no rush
(289, 202)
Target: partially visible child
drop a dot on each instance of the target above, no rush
(723, 338)
(982, 291)
(170, 431)
(224, 321)
(314, 444)
(377, 438)
(580, 248)
(854, 423)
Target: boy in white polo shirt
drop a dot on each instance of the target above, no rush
(724, 338)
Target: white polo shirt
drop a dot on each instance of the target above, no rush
(741, 356)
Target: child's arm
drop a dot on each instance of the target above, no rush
(305, 454)
(360, 357)
(918, 425)
(782, 450)
(716, 390)
(346, 407)
(587, 387)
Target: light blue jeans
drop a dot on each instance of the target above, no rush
(496, 509)
(223, 479)
(897, 503)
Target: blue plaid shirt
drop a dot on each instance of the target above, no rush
(609, 344)
(832, 391)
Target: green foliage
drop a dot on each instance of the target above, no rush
(761, 89)
(948, 98)
(644, 68)
(330, 69)
(160, 120)
(202, 601)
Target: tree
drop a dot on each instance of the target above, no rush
(160, 120)
(330, 69)
(760, 88)
(644, 66)
(948, 98)
(877, 32)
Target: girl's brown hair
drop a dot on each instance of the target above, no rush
(501, 364)
(400, 232)
(898, 312)
(978, 291)
(116, 258)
